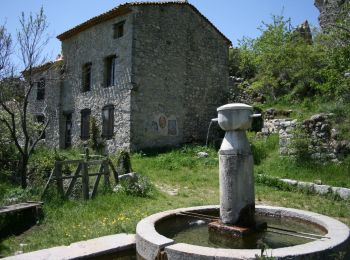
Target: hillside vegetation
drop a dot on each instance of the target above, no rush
(286, 69)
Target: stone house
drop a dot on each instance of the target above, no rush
(151, 74)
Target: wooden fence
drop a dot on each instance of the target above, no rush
(82, 171)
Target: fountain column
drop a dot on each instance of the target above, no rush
(237, 195)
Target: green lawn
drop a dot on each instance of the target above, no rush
(181, 180)
(268, 162)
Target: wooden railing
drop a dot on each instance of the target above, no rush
(82, 171)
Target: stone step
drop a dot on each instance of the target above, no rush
(92, 248)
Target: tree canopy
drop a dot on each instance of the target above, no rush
(282, 62)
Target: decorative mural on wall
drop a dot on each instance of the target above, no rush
(164, 125)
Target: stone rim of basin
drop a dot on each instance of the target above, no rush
(235, 106)
(149, 243)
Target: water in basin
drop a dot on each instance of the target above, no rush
(184, 229)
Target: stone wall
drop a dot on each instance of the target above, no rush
(94, 45)
(322, 139)
(329, 10)
(50, 105)
(180, 69)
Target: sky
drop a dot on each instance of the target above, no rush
(234, 18)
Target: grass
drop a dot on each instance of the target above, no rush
(268, 162)
(181, 179)
(330, 174)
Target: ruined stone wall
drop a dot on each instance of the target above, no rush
(94, 45)
(322, 139)
(50, 105)
(180, 68)
(329, 10)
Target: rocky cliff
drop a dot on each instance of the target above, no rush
(329, 10)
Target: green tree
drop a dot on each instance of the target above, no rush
(281, 62)
(336, 45)
(24, 132)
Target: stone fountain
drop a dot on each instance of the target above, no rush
(237, 196)
(230, 231)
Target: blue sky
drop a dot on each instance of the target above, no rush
(235, 18)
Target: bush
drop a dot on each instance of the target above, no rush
(96, 142)
(17, 195)
(124, 163)
(41, 165)
(137, 185)
(8, 155)
(43, 161)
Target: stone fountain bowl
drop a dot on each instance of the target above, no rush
(235, 116)
(150, 244)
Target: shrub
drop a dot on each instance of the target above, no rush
(137, 185)
(43, 161)
(300, 145)
(95, 142)
(17, 195)
(8, 155)
(41, 165)
(124, 163)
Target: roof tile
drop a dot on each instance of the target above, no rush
(124, 9)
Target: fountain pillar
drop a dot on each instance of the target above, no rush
(237, 203)
(237, 195)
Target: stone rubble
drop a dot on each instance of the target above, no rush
(202, 154)
(343, 193)
(323, 139)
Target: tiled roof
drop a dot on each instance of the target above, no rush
(45, 66)
(124, 9)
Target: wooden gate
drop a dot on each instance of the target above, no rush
(82, 171)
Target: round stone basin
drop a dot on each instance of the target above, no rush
(183, 237)
(192, 230)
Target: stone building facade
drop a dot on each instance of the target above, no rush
(44, 99)
(151, 74)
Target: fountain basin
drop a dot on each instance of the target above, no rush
(235, 116)
(151, 244)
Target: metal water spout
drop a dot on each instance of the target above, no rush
(237, 195)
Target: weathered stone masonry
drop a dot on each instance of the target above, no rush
(171, 74)
(94, 45)
(329, 10)
(49, 107)
(323, 140)
(180, 74)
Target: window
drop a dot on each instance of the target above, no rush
(41, 120)
(86, 82)
(68, 130)
(85, 124)
(108, 121)
(118, 30)
(110, 64)
(40, 94)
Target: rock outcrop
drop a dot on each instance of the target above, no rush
(329, 10)
(304, 31)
